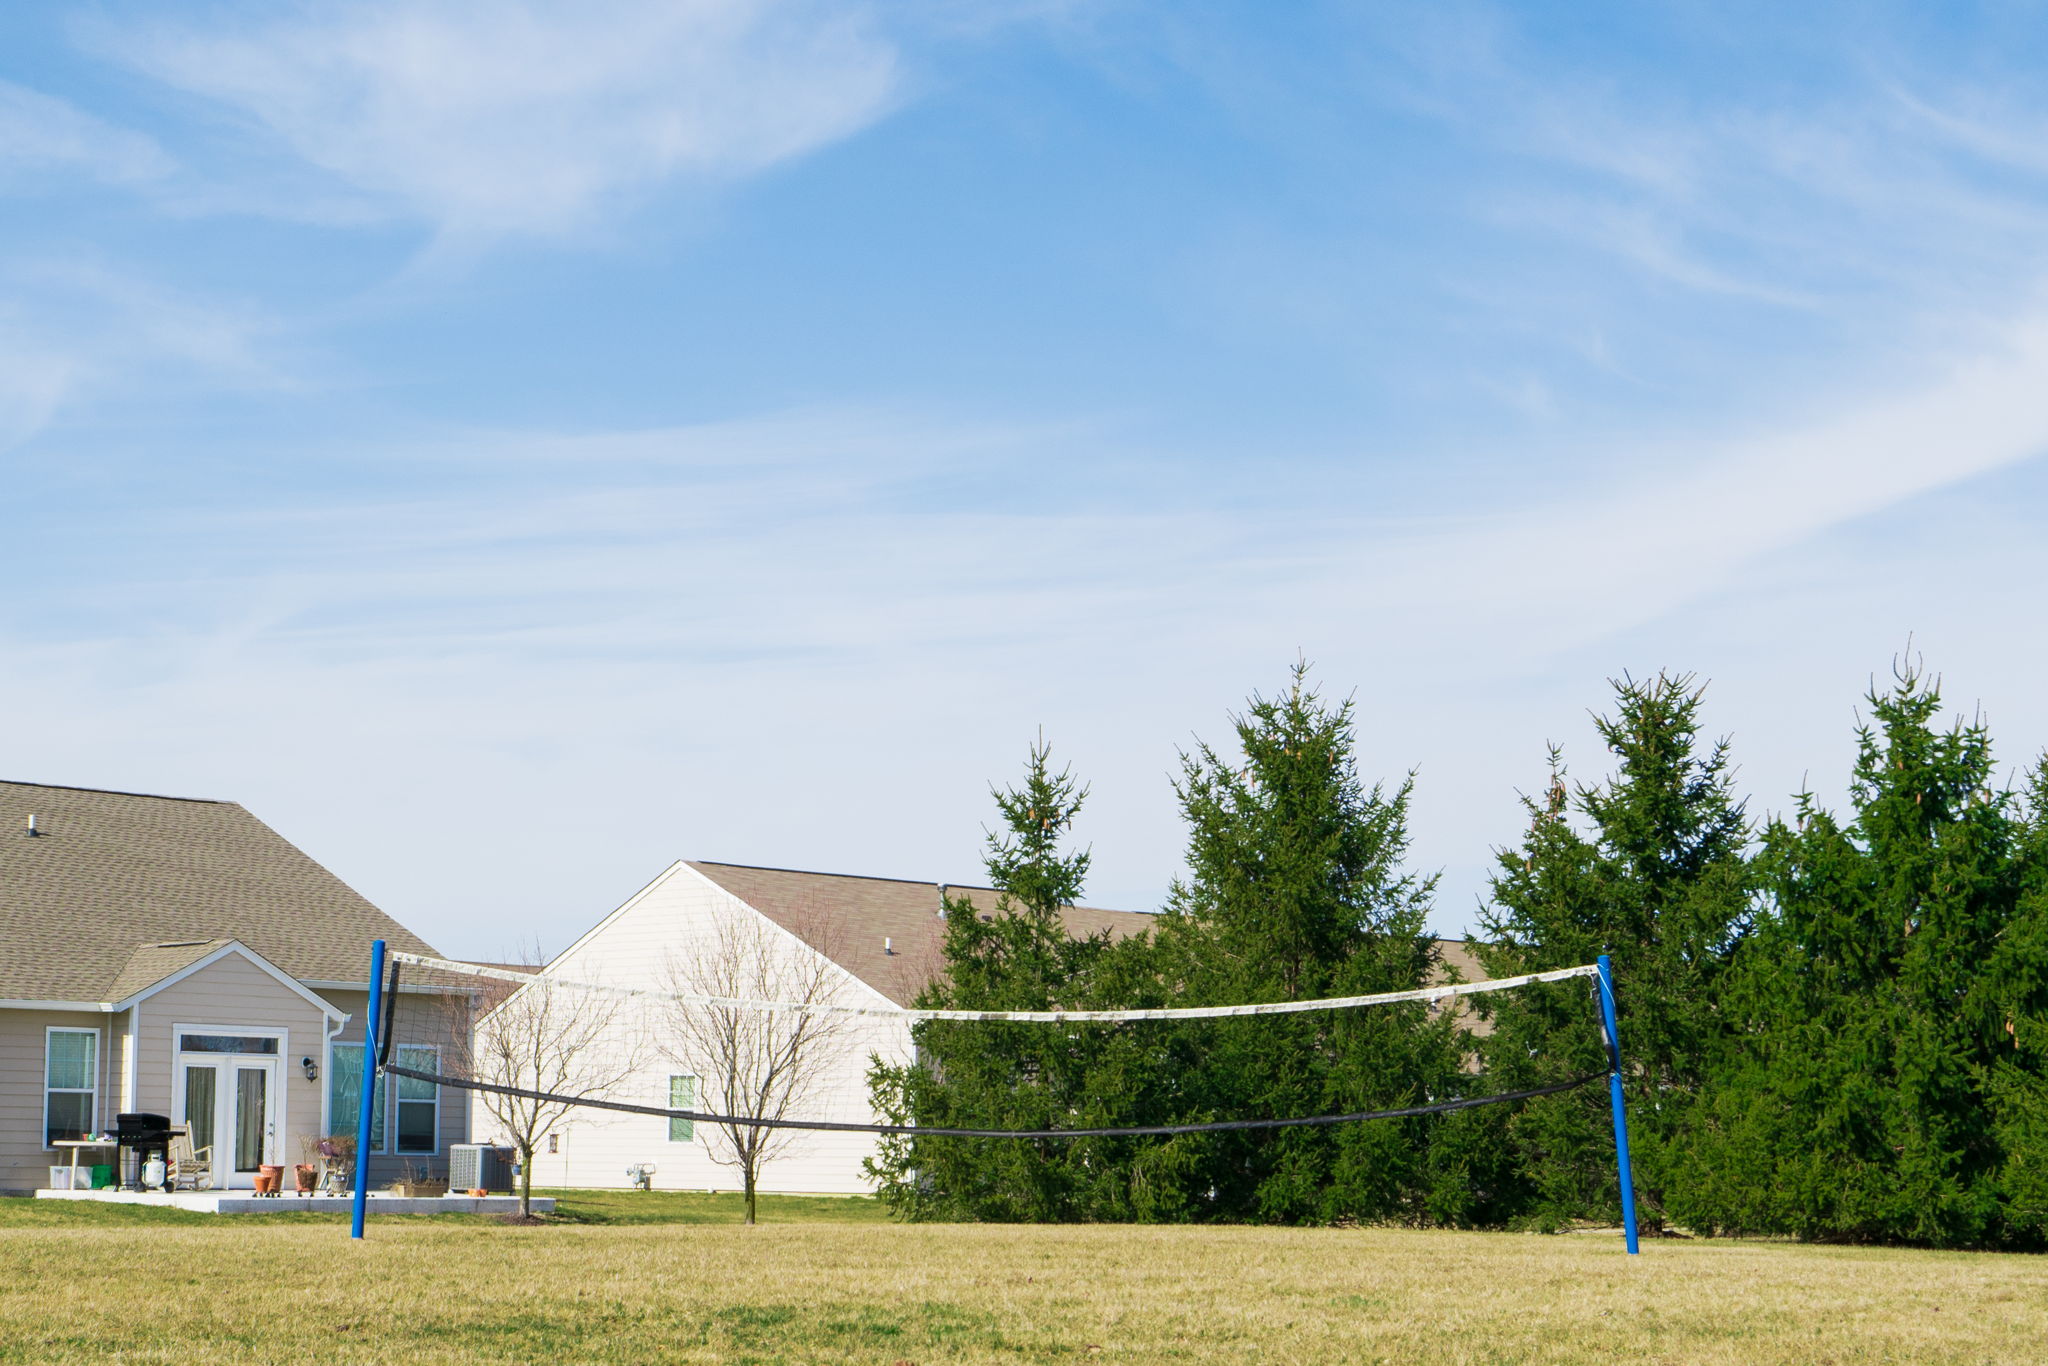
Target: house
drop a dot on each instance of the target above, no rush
(883, 936)
(179, 957)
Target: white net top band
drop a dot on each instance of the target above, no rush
(1426, 994)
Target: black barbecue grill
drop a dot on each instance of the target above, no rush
(138, 1136)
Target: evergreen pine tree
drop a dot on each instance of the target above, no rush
(1658, 879)
(1008, 1076)
(2016, 983)
(1295, 889)
(1861, 1100)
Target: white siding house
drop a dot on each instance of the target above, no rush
(881, 935)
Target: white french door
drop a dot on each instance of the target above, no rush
(228, 1102)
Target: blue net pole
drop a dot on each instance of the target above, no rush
(369, 1089)
(1614, 1101)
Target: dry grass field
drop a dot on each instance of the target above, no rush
(638, 1279)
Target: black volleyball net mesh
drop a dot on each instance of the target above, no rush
(533, 1047)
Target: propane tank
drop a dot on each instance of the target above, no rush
(153, 1172)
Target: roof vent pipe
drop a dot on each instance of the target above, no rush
(942, 901)
(32, 831)
(887, 945)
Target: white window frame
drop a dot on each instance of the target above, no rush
(91, 1092)
(393, 1102)
(691, 1078)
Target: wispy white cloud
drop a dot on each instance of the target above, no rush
(72, 329)
(1690, 516)
(33, 382)
(41, 134)
(517, 117)
(1848, 195)
(712, 623)
(1652, 241)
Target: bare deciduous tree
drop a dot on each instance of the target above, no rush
(542, 1037)
(755, 1064)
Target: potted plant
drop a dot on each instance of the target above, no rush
(304, 1177)
(420, 1181)
(333, 1157)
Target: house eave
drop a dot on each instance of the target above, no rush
(235, 948)
(404, 987)
(104, 1007)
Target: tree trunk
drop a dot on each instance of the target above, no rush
(526, 1181)
(747, 1170)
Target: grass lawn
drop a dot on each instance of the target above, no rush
(636, 1278)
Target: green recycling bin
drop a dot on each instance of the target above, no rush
(102, 1175)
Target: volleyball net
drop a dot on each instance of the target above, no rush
(532, 1043)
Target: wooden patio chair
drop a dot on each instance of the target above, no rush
(190, 1168)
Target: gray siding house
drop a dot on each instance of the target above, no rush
(180, 957)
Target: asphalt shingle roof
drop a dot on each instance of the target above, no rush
(89, 903)
(849, 919)
(152, 963)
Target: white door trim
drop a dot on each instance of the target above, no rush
(225, 1177)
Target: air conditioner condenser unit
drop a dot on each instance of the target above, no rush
(478, 1166)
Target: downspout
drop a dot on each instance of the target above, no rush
(102, 1075)
(327, 1061)
(131, 1091)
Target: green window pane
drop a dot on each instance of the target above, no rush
(682, 1095)
(73, 1059)
(345, 1094)
(420, 1059)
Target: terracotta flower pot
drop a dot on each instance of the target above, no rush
(305, 1176)
(269, 1178)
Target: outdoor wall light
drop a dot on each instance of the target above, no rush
(311, 1068)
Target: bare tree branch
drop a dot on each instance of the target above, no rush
(753, 1063)
(542, 1036)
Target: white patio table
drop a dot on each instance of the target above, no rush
(74, 1144)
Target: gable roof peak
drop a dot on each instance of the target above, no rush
(110, 871)
(885, 931)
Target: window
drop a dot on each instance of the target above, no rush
(227, 1043)
(345, 1094)
(417, 1103)
(71, 1065)
(682, 1095)
(554, 1143)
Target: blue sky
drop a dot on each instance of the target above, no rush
(510, 446)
